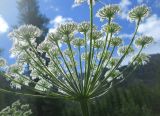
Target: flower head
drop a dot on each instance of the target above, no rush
(19, 47)
(81, 1)
(67, 28)
(114, 74)
(96, 35)
(112, 28)
(143, 41)
(24, 57)
(139, 12)
(44, 85)
(78, 1)
(99, 44)
(108, 12)
(26, 33)
(45, 46)
(53, 37)
(68, 53)
(78, 42)
(14, 69)
(113, 62)
(105, 55)
(142, 59)
(84, 27)
(124, 50)
(116, 41)
(85, 56)
(67, 39)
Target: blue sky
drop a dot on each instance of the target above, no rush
(58, 11)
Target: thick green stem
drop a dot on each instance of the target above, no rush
(90, 49)
(84, 107)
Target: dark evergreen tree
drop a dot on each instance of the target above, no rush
(29, 13)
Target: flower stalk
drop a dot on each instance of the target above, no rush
(84, 107)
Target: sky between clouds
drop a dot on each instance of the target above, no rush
(59, 11)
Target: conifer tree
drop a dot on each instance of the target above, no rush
(29, 13)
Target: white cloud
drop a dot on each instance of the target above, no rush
(151, 27)
(3, 25)
(58, 20)
(124, 4)
(126, 35)
(151, 49)
(75, 5)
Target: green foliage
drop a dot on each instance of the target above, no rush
(16, 109)
(133, 101)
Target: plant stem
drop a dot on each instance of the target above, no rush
(84, 107)
(90, 49)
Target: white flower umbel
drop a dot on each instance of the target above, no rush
(67, 28)
(44, 84)
(111, 28)
(142, 59)
(108, 12)
(25, 33)
(139, 12)
(16, 109)
(124, 50)
(143, 41)
(69, 64)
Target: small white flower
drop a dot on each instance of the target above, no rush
(78, 1)
(95, 35)
(85, 56)
(78, 42)
(43, 85)
(112, 75)
(19, 82)
(81, 1)
(99, 44)
(106, 54)
(2, 62)
(14, 69)
(116, 41)
(54, 37)
(124, 49)
(45, 46)
(142, 59)
(113, 62)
